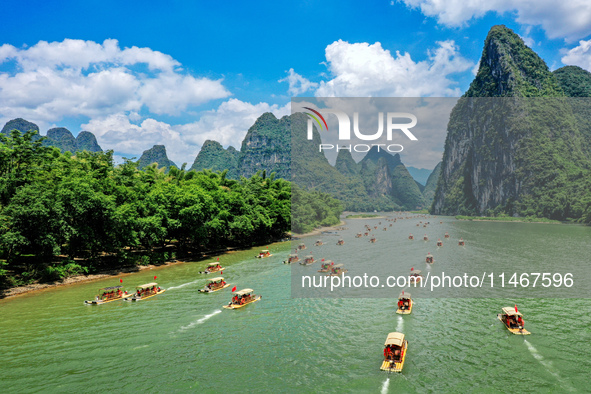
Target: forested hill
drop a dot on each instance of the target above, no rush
(525, 154)
(156, 155)
(59, 137)
(360, 186)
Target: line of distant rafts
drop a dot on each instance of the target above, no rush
(240, 298)
(396, 345)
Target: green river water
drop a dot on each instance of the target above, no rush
(184, 341)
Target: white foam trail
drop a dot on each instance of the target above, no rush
(547, 364)
(400, 325)
(202, 320)
(184, 284)
(385, 386)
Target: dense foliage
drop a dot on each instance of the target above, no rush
(313, 209)
(63, 214)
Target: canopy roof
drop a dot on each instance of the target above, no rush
(148, 285)
(216, 279)
(213, 264)
(110, 288)
(509, 310)
(318, 240)
(395, 338)
(264, 250)
(293, 255)
(338, 265)
(415, 272)
(405, 296)
(302, 244)
(309, 256)
(243, 292)
(329, 262)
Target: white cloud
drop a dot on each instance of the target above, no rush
(579, 55)
(56, 80)
(361, 70)
(227, 124)
(560, 19)
(297, 83)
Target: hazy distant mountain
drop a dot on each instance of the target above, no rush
(419, 174)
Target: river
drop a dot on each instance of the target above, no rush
(184, 341)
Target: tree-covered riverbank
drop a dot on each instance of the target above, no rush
(64, 215)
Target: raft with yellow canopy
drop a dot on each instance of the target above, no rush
(509, 318)
(214, 285)
(242, 298)
(106, 295)
(143, 292)
(406, 307)
(394, 352)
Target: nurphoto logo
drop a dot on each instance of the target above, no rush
(392, 123)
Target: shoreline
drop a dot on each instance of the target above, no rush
(34, 287)
(112, 273)
(318, 230)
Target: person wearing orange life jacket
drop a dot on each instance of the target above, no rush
(520, 322)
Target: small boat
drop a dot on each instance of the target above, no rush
(326, 266)
(415, 276)
(337, 270)
(394, 352)
(411, 237)
(385, 228)
(308, 260)
(365, 234)
(144, 292)
(292, 258)
(242, 298)
(214, 285)
(108, 294)
(461, 242)
(390, 224)
(418, 225)
(375, 227)
(446, 234)
(263, 254)
(358, 235)
(510, 318)
(318, 243)
(439, 242)
(373, 240)
(301, 246)
(429, 258)
(425, 238)
(340, 242)
(404, 304)
(211, 268)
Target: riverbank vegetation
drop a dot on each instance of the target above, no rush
(63, 214)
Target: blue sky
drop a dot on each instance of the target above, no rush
(180, 72)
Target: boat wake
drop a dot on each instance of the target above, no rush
(400, 325)
(385, 386)
(184, 284)
(547, 364)
(201, 320)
